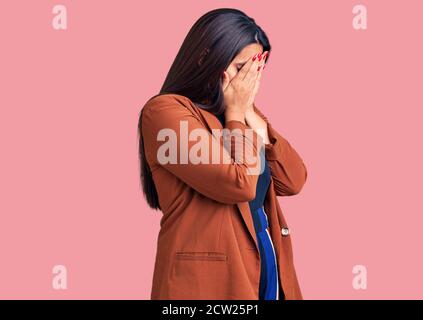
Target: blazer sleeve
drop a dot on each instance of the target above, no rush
(288, 170)
(231, 180)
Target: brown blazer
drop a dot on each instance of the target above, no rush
(207, 248)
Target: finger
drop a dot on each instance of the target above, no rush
(252, 72)
(246, 67)
(259, 74)
(257, 83)
(263, 61)
(256, 89)
(225, 81)
(261, 66)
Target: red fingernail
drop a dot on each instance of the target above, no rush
(259, 57)
(258, 69)
(254, 57)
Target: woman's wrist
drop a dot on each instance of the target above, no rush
(234, 116)
(255, 122)
(249, 114)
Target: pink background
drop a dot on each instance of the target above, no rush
(349, 101)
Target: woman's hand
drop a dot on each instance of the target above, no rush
(240, 91)
(256, 88)
(253, 120)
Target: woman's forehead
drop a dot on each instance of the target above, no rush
(247, 52)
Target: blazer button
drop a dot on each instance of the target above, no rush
(285, 231)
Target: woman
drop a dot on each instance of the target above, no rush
(223, 234)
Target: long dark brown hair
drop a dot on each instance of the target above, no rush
(208, 49)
